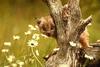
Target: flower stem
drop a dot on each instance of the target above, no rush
(36, 57)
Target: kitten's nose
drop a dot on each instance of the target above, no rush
(48, 33)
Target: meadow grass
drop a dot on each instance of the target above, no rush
(26, 50)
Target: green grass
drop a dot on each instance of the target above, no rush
(23, 52)
(14, 21)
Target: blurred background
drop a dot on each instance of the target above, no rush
(15, 15)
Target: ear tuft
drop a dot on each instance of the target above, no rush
(38, 22)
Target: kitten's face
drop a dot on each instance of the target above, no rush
(46, 25)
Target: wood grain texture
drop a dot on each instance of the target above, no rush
(69, 26)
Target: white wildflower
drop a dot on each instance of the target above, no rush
(98, 41)
(44, 36)
(14, 65)
(7, 43)
(20, 63)
(28, 33)
(56, 49)
(16, 37)
(47, 56)
(72, 44)
(32, 43)
(36, 36)
(11, 58)
(37, 52)
(4, 50)
(89, 24)
(89, 57)
(31, 27)
(36, 27)
(6, 66)
(31, 60)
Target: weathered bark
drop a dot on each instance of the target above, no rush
(95, 53)
(69, 28)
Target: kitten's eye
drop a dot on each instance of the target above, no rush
(38, 22)
(52, 27)
(44, 29)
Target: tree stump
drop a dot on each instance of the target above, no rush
(69, 26)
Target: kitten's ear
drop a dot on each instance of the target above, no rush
(38, 21)
(35, 18)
